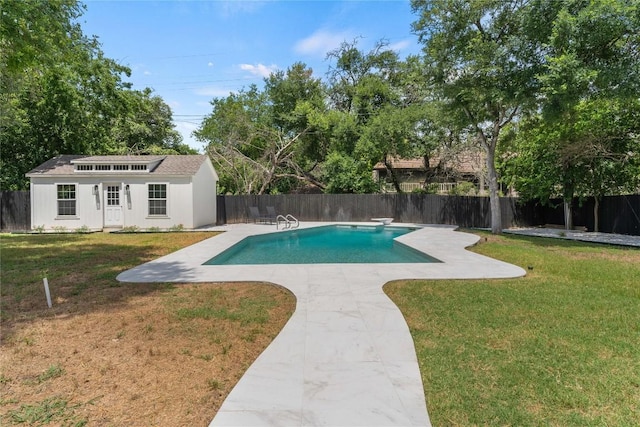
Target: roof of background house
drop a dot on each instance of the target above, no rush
(466, 162)
(398, 163)
(186, 165)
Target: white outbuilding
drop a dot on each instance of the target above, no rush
(72, 192)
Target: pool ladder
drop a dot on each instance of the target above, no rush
(289, 220)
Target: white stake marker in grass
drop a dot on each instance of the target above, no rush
(46, 291)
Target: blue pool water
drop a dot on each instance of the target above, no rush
(323, 245)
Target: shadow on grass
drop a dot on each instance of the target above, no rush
(159, 271)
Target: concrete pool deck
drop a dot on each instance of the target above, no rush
(346, 356)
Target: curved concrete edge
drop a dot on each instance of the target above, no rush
(441, 242)
(448, 245)
(346, 357)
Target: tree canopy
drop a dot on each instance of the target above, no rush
(480, 63)
(59, 94)
(264, 140)
(501, 62)
(549, 90)
(582, 140)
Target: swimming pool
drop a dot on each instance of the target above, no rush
(335, 244)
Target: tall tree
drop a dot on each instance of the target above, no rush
(363, 90)
(60, 108)
(593, 51)
(410, 125)
(33, 33)
(59, 94)
(480, 62)
(233, 141)
(261, 140)
(361, 82)
(145, 126)
(589, 91)
(396, 132)
(297, 97)
(593, 153)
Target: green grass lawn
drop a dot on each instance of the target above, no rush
(560, 346)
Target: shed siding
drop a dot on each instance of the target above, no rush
(204, 195)
(178, 203)
(44, 206)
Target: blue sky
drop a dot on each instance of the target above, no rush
(192, 51)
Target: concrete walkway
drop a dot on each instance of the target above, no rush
(346, 356)
(582, 236)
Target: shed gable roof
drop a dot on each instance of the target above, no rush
(181, 165)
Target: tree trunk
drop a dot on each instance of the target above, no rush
(489, 144)
(394, 176)
(494, 196)
(568, 215)
(567, 197)
(596, 214)
(428, 174)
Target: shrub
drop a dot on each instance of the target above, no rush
(432, 188)
(421, 190)
(83, 229)
(464, 188)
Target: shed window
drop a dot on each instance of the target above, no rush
(66, 200)
(157, 199)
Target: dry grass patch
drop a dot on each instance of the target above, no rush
(123, 354)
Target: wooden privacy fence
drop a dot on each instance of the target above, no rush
(618, 214)
(15, 210)
(414, 208)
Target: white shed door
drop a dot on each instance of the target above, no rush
(112, 206)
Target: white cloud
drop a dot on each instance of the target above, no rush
(260, 70)
(147, 73)
(210, 64)
(321, 42)
(400, 46)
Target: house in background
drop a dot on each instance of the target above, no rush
(71, 192)
(442, 175)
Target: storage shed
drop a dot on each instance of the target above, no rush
(73, 192)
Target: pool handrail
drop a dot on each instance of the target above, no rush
(289, 221)
(294, 220)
